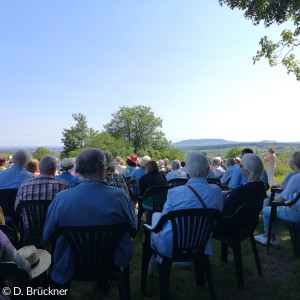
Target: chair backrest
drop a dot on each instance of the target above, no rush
(243, 222)
(93, 248)
(177, 182)
(9, 269)
(159, 196)
(7, 202)
(134, 186)
(191, 230)
(214, 181)
(36, 213)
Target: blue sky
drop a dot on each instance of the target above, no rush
(191, 62)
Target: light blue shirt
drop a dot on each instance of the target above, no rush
(90, 203)
(176, 174)
(138, 173)
(292, 188)
(183, 198)
(13, 177)
(228, 173)
(71, 179)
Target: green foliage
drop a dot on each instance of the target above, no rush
(116, 146)
(137, 125)
(270, 12)
(233, 152)
(75, 137)
(40, 152)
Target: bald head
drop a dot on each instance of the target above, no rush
(90, 163)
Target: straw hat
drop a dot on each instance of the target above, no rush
(66, 164)
(39, 259)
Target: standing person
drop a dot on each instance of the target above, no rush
(271, 160)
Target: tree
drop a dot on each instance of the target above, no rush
(233, 152)
(137, 125)
(40, 152)
(270, 12)
(75, 137)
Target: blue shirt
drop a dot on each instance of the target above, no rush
(238, 179)
(292, 188)
(71, 179)
(228, 173)
(90, 203)
(138, 173)
(13, 177)
(183, 198)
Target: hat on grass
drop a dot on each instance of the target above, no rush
(39, 259)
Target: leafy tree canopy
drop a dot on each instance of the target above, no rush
(137, 125)
(233, 152)
(40, 152)
(75, 137)
(270, 12)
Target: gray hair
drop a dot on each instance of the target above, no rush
(89, 161)
(21, 158)
(176, 164)
(47, 164)
(296, 159)
(217, 160)
(197, 164)
(166, 161)
(253, 164)
(230, 161)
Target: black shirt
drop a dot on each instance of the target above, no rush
(150, 180)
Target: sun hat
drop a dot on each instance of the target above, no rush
(133, 158)
(144, 160)
(39, 259)
(237, 159)
(66, 164)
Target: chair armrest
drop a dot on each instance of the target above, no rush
(286, 204)
(147, 227)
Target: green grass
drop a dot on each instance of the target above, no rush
(281, 274)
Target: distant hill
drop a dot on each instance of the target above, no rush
(202, 142)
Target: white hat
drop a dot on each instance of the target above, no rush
(39, 259)
(144, 160)
(66, 164)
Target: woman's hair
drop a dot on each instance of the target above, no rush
(296, 159)
(151, 167)
(197, 164)
(253, 164)
(271, 149)
(110, 162)
(130, 163)
(33, 165)
(2, 161)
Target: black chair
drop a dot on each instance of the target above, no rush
(10, 271)
(158, 194)
(7, 203)
(134, 190)
(36, 213)
(177, 182)
(188, 245)
(93, 248)
(232, 230)
(214, 181)
(293, 227)
(11, 235)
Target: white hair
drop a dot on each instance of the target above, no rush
(176, 164)
(197, 164)
(217, 160)
(253, 164)
(47, 164)
(230, 161)
(21, 158)
(166, 161)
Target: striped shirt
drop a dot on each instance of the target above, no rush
(43, 187)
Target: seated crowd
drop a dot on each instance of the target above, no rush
(96, 189)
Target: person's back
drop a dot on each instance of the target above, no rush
(90, 203)
(177, 172)
(12, 177)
